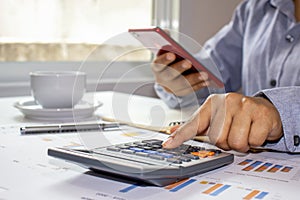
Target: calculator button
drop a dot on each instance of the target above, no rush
(161, 150)
(191, 156)
(113, 149)
(153, 142)
(217, 151)
(147, 148)
(203, 154)
(185, 159)
(166, 155)
(150, 152)
(175, 153)
(143, 154)
(174, 160)
(122, 146)
(156, 157)
(131, 145)
(128, 151)
(140, 144)
(156, 146)
(136, 149)
(196, 148)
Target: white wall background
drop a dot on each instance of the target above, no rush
(200, 19)
(75, 21)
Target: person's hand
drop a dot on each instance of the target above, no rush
(168, 73)
(232, 122)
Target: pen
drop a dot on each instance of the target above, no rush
(63, 128)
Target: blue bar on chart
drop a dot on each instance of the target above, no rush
(245, 162)
(183, 185)
(256, 194)
(129, 188)
(216, 189)
(252, 166)
(275, 168)
(220, 190)
(261, 195)
(263, 167)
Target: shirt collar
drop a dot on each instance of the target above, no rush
(287, 7)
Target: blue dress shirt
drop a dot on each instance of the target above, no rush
(257, 52)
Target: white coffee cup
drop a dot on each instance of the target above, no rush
(57, 89)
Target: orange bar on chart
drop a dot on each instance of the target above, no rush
(287, 169)
(211, 189)
(263, 167)
(251, 195)
(275, 168)
(245, 162)
(171, 186)
(252, 166)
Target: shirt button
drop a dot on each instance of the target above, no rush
(273, 83)
(289, 38)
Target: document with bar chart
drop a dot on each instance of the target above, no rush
(263, 176)
(256, 176)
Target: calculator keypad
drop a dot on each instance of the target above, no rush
(153, 149)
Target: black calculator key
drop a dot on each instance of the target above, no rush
(185, 159)
(193, 157)
(156, 146)
(147, 148)
(153, 142)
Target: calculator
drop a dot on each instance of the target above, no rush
(147, 160)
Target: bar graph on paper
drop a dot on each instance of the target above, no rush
(217, 189)
(248, 178)
(259, 166)
(213, 189)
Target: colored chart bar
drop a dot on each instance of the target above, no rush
(287, 169)
(220, 190)
(252, 166)
(263, 167)
(275, 168)
(183, 185)
(256, 194)
(131, 187)
(251, 195)
(171, 186)
(261, 195)
(212, 188)
(245, 162)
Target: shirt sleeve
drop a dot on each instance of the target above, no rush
(287, 102)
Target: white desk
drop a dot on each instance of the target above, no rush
(28, 173)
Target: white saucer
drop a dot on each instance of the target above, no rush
(32, 110)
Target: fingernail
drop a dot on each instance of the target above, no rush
(186, 65)
(203, 76)
(170, 56)
(167, 142)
